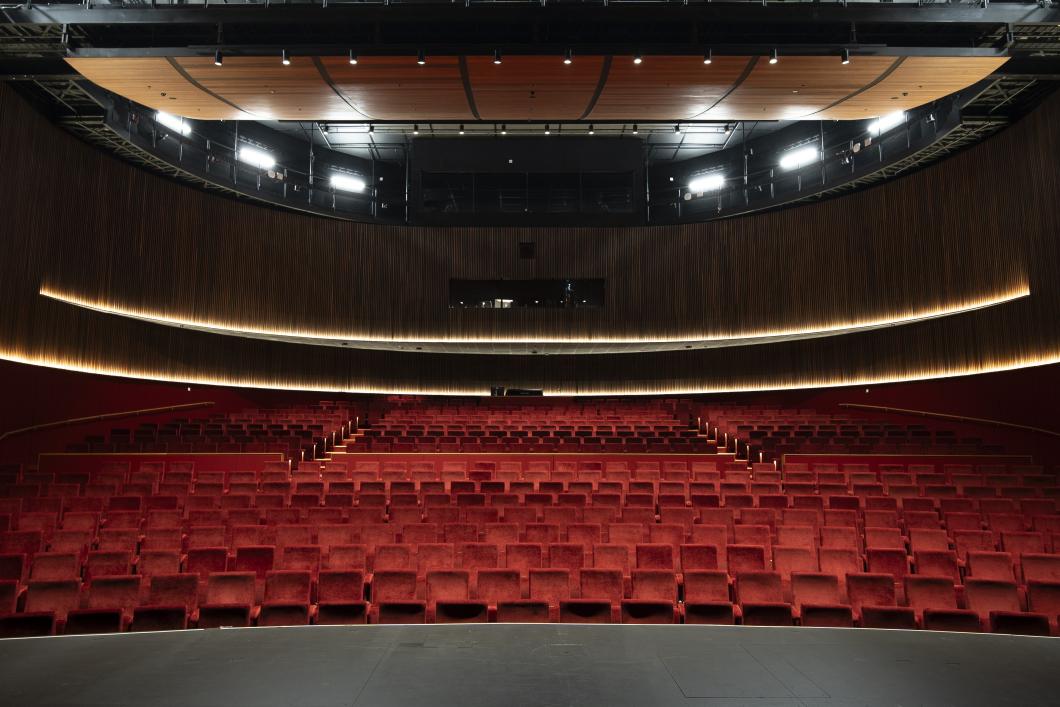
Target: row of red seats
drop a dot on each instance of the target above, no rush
(112, 604)
(218, 550)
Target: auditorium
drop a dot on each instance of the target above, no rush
(611, 353)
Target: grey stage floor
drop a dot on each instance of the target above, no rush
(497, 664)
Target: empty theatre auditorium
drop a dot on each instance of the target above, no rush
(616, 353)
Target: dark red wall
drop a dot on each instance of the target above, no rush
(34, 395)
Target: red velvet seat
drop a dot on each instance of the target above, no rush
(287, 595)
(340, 597)
(761, 599)
(230, 600)
(819, 600)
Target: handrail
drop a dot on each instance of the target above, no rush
(958, 418)
(104, 416)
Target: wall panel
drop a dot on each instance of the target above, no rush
(80, 221)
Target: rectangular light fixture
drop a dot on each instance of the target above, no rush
(707, 128)
(799, 157)
(256, 158)
(885, 123)
(346, 182)
(343, 128)
(709, 182)
(173, 122)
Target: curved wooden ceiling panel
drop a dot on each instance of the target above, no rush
(666, 87)
(267, 89)
(796, 87)
(397, 88)
(914, 82)
(156, 83)
(537, 88)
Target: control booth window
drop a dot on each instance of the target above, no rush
(518, 294)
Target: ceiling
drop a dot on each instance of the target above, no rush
(534, 88)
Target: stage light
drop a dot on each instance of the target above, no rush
(496, 56)
(885, 123)
(346, 182)
(708, 57)
(710, 182)
(845, 57)
(799, 157)
(218, 58)
(677, 128)
(591, 131)
(634, 128)
(504, 129)
(415, 129)
(285, 58)
(421, 57)
(371, 129)
(637, 58)
(774, 57)
(568, 57)
(173, 122)
(548, 130)
(353, 58)
(461, 128)
(256, 158)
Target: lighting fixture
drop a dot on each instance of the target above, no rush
(504, 129)
(568, 57)
(461, 128)
(845, 57)
(346, 182)
(285, 58)
(634, 128)
(677, 128)
(218, 58)
(637, 59)
(256, 158)
(548, 131)
(496, 56)
(710, 182)
(371, 128)
(353, 58)
(421, 57)
(591, 130)
(774, 57)
(708, 57)
(885, 123)
(173, 122)
(799, 157)
(415, 129)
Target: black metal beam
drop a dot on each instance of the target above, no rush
(34, 69)
(295, 50)
(723, 12)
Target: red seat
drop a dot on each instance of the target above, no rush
(340, 597)
(230, 600)
(997, 603)
(761, 599)
(745, 558)
(51, 566)
(707, 598)
(819, 601)
(934, 599)
(57, 597)
(872, 598)
(287, 595)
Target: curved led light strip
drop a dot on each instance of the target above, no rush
(998, 366)
(545, 345)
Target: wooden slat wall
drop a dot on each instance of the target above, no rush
(78, 220)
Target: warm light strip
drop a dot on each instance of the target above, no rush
(997, 366)
(704, 340)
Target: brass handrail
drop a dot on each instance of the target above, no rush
(104, 416)
(946, 416)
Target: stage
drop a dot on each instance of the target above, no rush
(553, 664)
